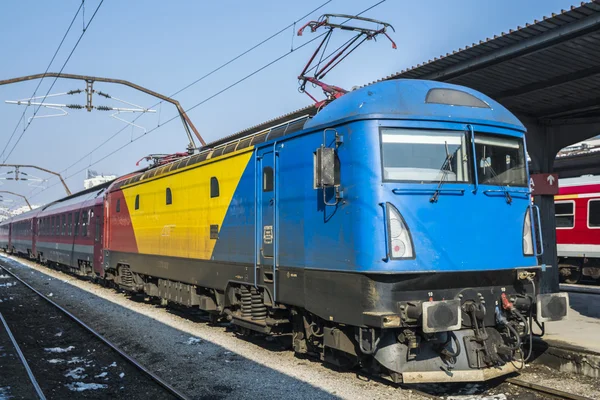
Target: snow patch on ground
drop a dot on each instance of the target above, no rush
(4, 276)
(102, 375)
(80, 386)
(5, 393)
(122, 374)
(59, 349)
(77, 373)
(114, 364)
(193, 340)
(50, 294)
(59, 334)
(56, 361)
(8, 284)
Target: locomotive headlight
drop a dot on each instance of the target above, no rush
(527, 235)
(400, 242)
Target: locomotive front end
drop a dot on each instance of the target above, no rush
(451, 273)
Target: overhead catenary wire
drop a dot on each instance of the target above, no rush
(189, 109)
(208, 74)
(55, 79)
(197, 104)
(45, 72)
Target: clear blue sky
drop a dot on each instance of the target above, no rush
(164, 45)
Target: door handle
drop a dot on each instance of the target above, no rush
(272, 202)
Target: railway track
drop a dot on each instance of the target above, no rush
(533, 391)
(55, 384)
(538, 391)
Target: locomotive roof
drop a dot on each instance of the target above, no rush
(398, 99)
(417, 99)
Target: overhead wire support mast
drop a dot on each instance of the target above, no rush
(187, 123)
(332, 60)
(18, 195)
(17, 166)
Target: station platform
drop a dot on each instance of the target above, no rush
(573, 345)
(582, 327)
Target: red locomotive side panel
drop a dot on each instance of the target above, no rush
(577, 210)
(120, 235)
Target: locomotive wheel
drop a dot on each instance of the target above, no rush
(569, 273)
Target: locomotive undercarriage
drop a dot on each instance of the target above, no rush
(491, 337)
(393, 338)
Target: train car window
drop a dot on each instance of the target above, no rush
(500, 160)
(84, 223)
(63, 224)
(52, 225)
(69, 224)
(137, 201)
(214, 187)
(169, 195)
(118, 209)
(267, 179)
(420, 155)
(76, 224)
(594, 214)
(564, 212)
(89, 222)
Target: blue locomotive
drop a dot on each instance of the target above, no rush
(391, 231)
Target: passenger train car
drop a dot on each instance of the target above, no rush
(392, 231)
(577, 208)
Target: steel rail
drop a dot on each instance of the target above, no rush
(545, 389)
(34, 382)
(130, 359)
(539, 389)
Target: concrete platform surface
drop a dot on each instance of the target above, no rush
(582, 327)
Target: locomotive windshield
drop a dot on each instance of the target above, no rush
(500, 160)
(431, 155)
(425, 155)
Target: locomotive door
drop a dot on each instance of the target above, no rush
(267, 217)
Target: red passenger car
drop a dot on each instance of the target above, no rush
(70, 233)
(4, 235)
(577, 209)
(22, 232)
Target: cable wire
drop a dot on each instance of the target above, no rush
(54, 82)
(45, 72)
(200, 79)
(196, 105)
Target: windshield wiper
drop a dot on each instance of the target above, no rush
(446, 164)
(507, 195)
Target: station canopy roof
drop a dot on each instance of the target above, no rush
(548, 69)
